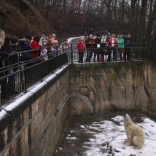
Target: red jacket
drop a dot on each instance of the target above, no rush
(35, 45)
(112, 42)
(81, 46)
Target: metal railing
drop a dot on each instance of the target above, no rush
(137, 51)
(18, 77)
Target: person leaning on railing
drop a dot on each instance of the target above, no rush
(81, 49)
(25, 44)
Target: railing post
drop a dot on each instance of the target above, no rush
(71, 54)
(131, 54)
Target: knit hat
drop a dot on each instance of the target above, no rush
(14, 40)
(28, 36)
(81, 38)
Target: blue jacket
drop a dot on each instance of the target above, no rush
(26, 46)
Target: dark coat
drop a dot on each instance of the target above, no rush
(13, 59)
(90, 43)
(98, 41)
(128, 42)
(26, 46)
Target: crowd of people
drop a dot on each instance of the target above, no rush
(14, 50)
(101, 46)
(42, 44)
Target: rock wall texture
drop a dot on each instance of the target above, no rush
(81, 89)
(112, 86)
(36, 131)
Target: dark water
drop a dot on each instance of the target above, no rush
(75, 136)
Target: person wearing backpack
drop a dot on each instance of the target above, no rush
(112, 45)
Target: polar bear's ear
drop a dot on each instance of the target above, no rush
(127, 116)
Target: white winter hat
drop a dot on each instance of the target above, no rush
(81, 38)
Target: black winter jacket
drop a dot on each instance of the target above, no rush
(26, 46)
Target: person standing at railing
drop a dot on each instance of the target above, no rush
(25, 44)
(6, 48)
(120, 46)
(112, 44)
(128, 44)
(27, 58)
(13, 60)
(54, 43)
(81, 49)
(64, 47)
(35, 45)
(3, 55)
(90, 45)
(43, 37)
(98, 46)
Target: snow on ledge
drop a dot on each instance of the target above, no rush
(2, 114)
(32, 90)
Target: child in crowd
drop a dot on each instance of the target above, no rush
(44, 44)
(44, 55)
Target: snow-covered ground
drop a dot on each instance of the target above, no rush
(111, 134)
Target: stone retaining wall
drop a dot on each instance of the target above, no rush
(96, 88)
(36, 130)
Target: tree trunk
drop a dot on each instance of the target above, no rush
(142, 23)
(152, 18)
(132, 20)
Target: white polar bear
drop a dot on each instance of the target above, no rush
(135, 134)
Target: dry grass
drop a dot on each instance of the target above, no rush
(19, 17)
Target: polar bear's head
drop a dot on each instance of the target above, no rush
(127, 117)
